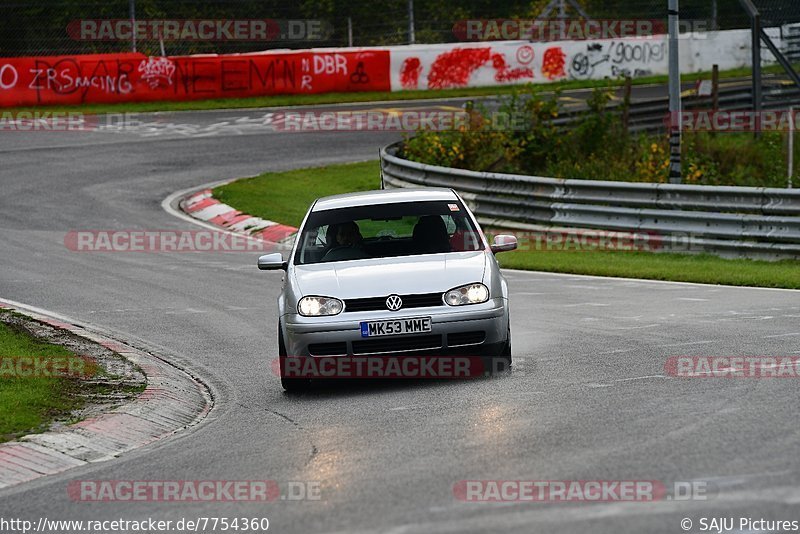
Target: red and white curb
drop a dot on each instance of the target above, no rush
(172, 401)
(203, 206)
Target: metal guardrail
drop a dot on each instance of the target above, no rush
(732, 221)
(652, 115)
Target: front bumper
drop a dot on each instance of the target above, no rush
(471, 330)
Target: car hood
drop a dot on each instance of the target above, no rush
(376, 277)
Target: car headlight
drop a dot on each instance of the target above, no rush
(469, 294)
(316, 306)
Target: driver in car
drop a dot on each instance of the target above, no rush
(348, 244)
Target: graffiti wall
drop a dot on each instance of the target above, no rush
(135, 78)
(509, 62)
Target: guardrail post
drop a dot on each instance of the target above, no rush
(132, 9)
(715, 87)
(755, 39)
(350, 32)
(411, 38)
(790, 153)
(626, 103)
(674, 96)
(757, 68)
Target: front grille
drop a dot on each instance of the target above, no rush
(379, 303)
(327, 349)
(466, 338)
(397, 344)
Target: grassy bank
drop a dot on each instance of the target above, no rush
(31, 403)
(599, 145)
(285, 197)
(701, 268)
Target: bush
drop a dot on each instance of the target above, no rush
(596, 147)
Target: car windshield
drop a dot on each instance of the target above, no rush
(387, 230)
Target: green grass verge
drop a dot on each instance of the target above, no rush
(701, 268)
(30, 404)
(372, 96)
(285, 196)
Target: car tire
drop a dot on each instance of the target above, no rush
(506, 354)
(502, 362)
(290, 385)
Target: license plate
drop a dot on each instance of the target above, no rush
(395, 327)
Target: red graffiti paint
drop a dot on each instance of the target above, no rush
(409, 73)
(133, 77)
(505, 74)
(454, 68)
(553, 63)
(525, 55)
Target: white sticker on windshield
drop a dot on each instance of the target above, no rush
(453, 207)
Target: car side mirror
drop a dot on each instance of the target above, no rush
(504, 243)
(272, 262)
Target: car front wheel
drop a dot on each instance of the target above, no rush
(496, 364)
(291, 385)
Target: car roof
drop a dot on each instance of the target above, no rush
(384, 196)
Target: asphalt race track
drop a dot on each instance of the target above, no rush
(588, 398)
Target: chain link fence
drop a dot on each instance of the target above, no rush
(48, 27)
(44, 27)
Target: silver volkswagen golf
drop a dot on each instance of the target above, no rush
(391, 272)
